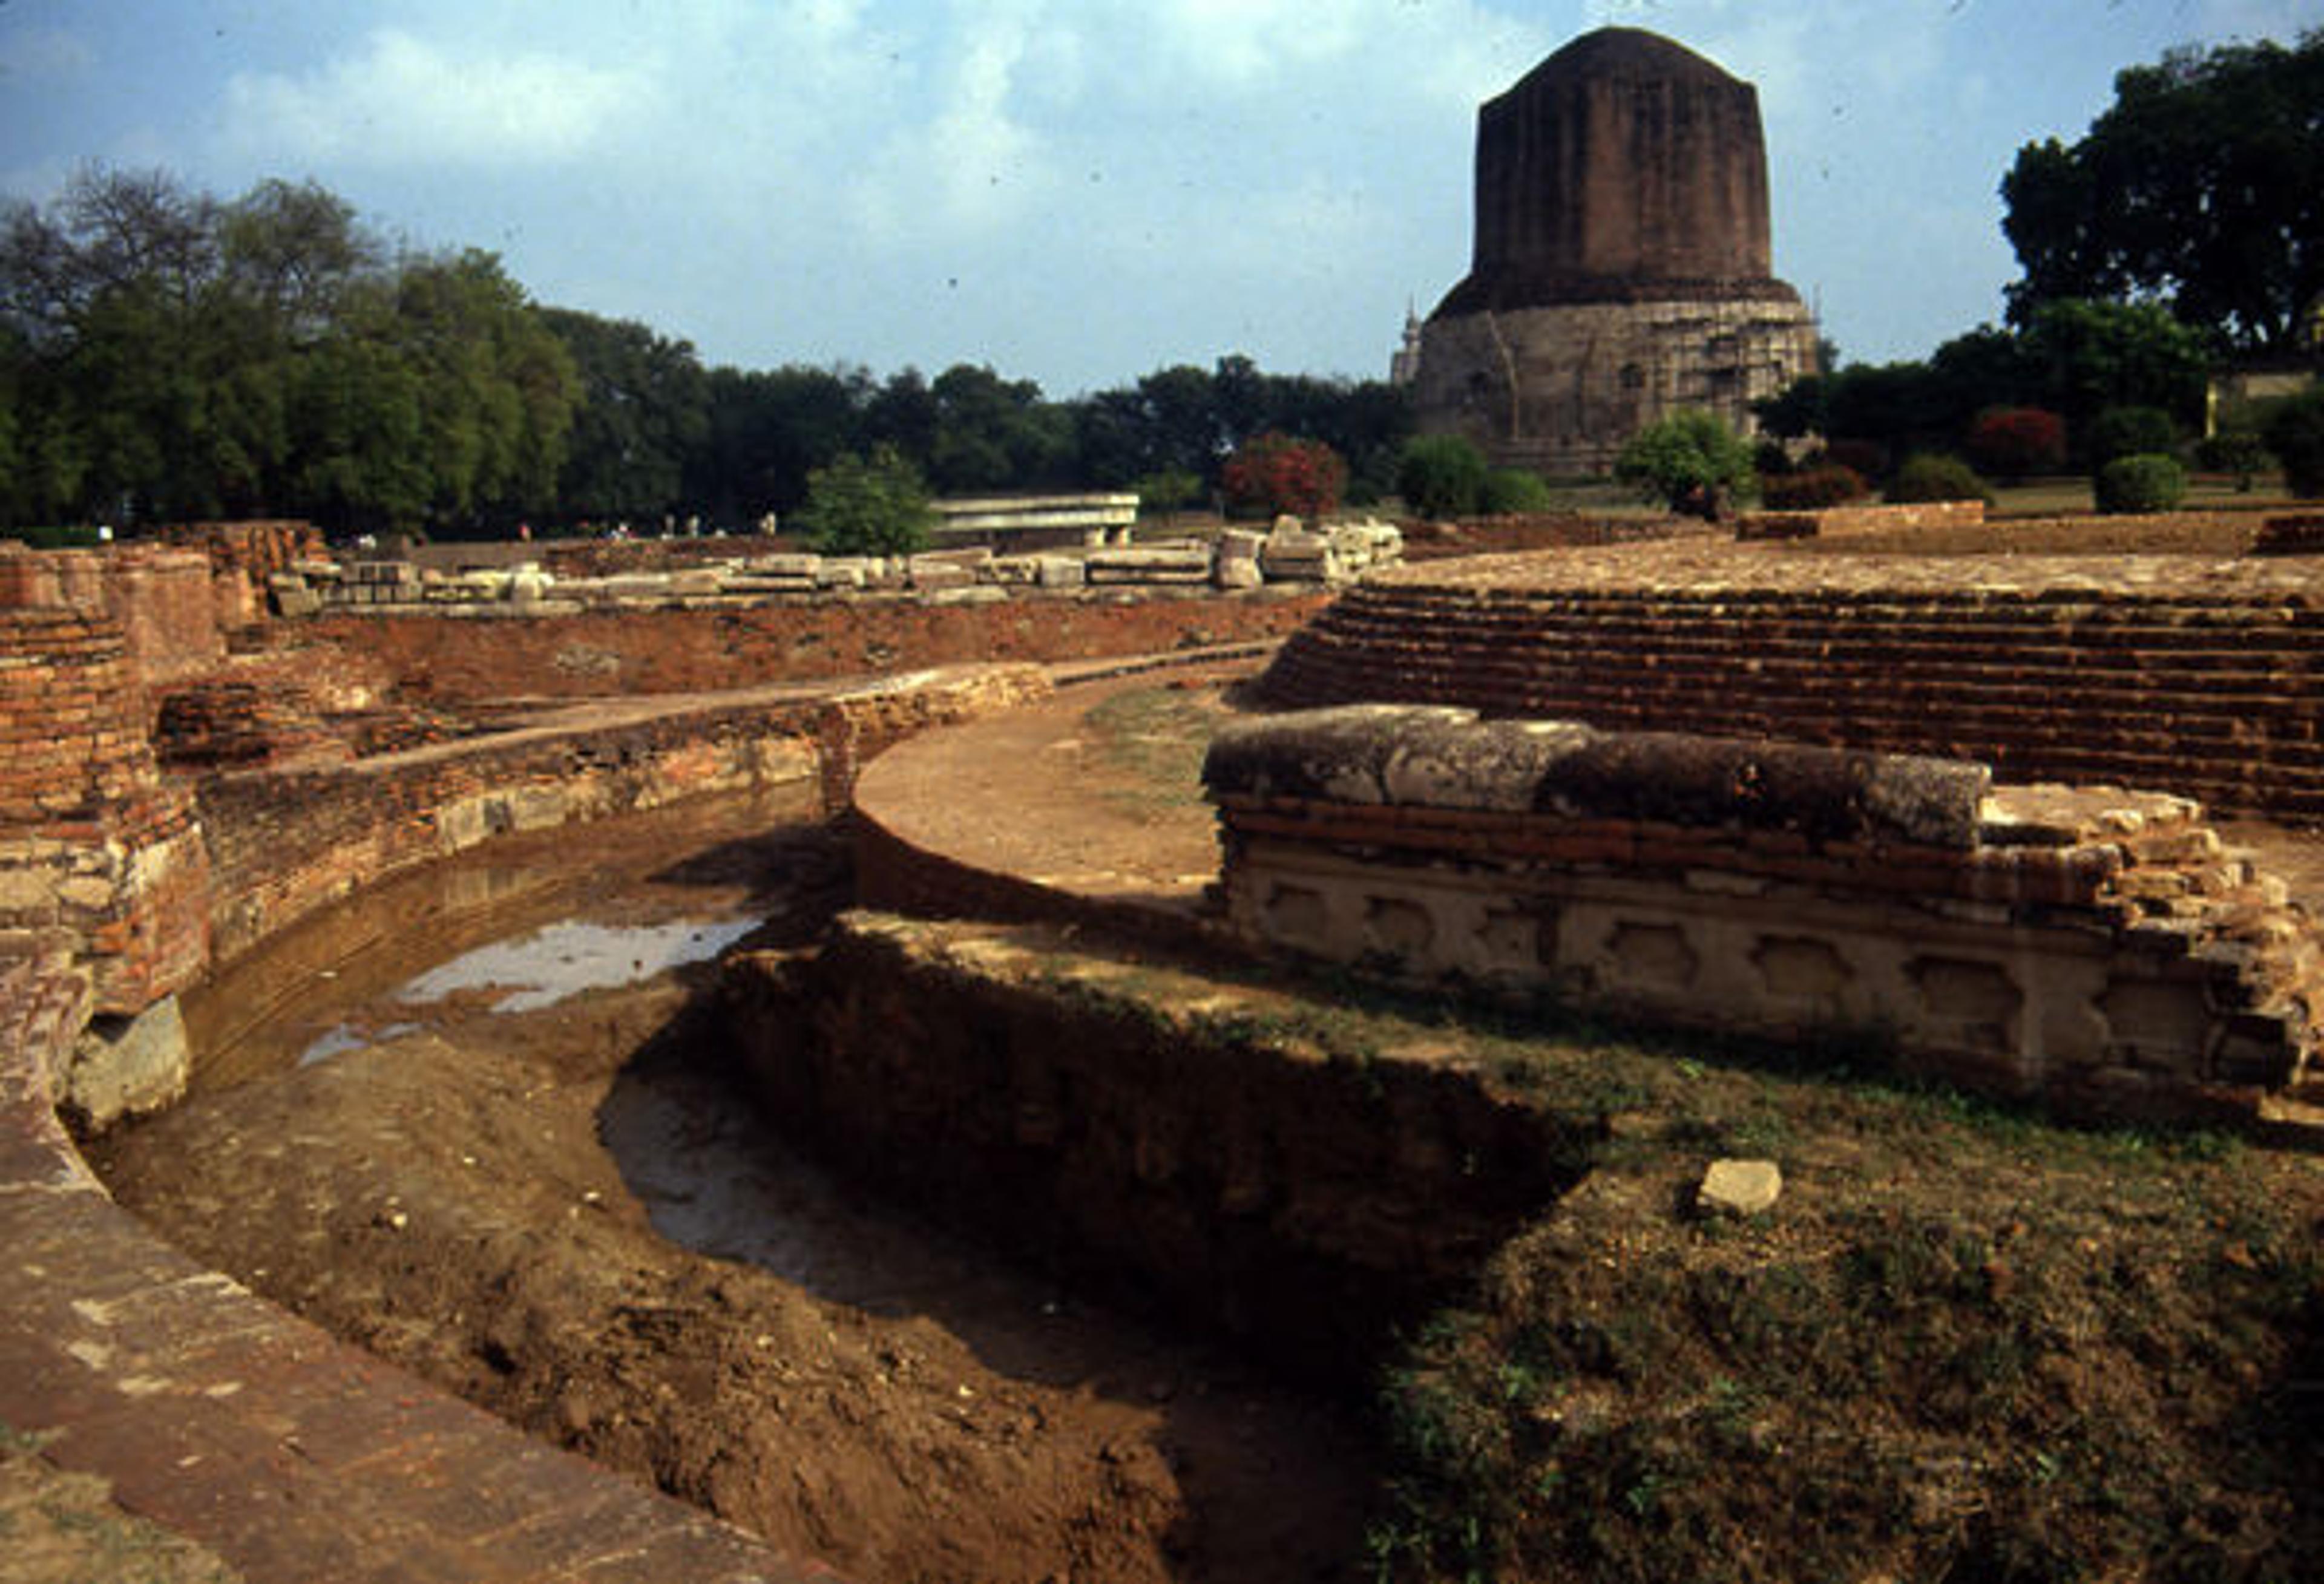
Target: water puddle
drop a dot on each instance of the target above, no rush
(343, 1037)
(542, 969)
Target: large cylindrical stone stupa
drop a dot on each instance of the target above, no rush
(1622, 264)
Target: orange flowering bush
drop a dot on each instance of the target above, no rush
(1275, 472)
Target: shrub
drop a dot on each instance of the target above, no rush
(1169, 490)
(1688, 460)
(874, 507)
(2015, 442)
(1928, 476)
(2150, 481)
(1277, 474)
(1771, 458)
(1510, 491)
(1440, 475)
(2294, 431)
(2128, 431)
(1828, 484)
(2239, 452)
(1864, 458)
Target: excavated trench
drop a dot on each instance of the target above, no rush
(488, 1120)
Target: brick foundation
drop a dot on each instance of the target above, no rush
(450, 660)
(2189, 675)
(2098, 948)
(93, 842)
(283, 843)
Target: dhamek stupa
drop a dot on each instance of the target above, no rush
(1621, 262)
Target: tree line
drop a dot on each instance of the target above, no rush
(168, 355)
(2184, 229)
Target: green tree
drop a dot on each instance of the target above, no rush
(642, 417)
(2093, 356)
(1169, 491)
(183, 357)
(2294, 431)
(499, 388)
(2198, 189)
(770, 429)
(2128, 431)
(1690, 461)
(875, 506)
(996, 433)
(1440, 475)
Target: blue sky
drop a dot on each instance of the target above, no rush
(1075, 191)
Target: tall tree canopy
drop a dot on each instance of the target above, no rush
(2201, 187)
(163, 355)
(644, 418)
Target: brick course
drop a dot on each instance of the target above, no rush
(451, 660)
(2194, 676)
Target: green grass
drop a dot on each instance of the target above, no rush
(1156, 737)
(1967, 1342)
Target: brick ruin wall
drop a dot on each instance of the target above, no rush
(2199, 678)
(142, 870)
(1849, 521)
(283, 843)
(453, 660)
(95, 849)
(2102, 950)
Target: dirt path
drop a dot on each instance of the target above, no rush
(443, 1194)
(1094, 790)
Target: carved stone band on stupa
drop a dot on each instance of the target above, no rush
(1620, 267)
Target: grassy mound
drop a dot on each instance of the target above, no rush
(1964, 1345)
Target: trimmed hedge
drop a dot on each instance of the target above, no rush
(1928, 476)
(1828, 485)
(2149, 481)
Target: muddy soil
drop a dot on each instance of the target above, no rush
(435, 1182)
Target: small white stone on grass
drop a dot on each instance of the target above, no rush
(1740, 1187)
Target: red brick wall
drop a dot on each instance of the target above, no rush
(167, 609)
(2209, 693)
(284, 842)
(91, 839)
(450, 660)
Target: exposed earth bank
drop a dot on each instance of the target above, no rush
(444, 1195)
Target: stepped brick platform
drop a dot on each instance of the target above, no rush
(2099, 948)
(2189, 675)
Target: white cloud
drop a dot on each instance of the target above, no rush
(403, 100)
(967, 163)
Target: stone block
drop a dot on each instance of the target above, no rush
(933, 576)
(1158, 564)
(1740, 1187)
(1294, 554)
(126, 1066)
